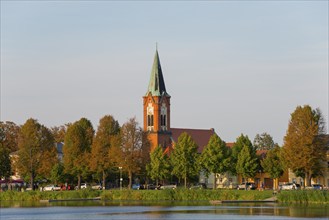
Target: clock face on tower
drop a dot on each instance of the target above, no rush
(150, 109)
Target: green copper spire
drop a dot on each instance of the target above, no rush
(156, 85)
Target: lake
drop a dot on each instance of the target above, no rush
(73, 210)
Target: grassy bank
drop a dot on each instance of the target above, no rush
(184, 195)
(139, 195)
(37, 195)
(300, 196)
(304, 196)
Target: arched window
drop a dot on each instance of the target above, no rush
(163, 117)
(150, 117)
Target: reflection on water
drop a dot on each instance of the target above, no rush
(159, 210)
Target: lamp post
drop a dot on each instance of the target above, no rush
(120, 168)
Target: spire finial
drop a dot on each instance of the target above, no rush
(156, 45)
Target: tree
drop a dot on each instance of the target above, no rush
(240, 142)
(76, 149)
(184, 158)
(59, 132)
(57, 173)
(135, 148)
(37, 152)
(272, 164)
(247, 164)
(5, 163)
(159, 167)
(100, 160)
(303, 149)
(215, 157)
(264, 142)
(9, 133)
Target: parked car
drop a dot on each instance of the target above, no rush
(136, 186)
(151, 186)
(97, 186)
(315, 187)
(246, 186)
(82, 186)
(289, 186)
(199, 186)
(51, 187)
(173, 186)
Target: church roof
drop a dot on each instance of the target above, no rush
(156, 85)
(200, 136)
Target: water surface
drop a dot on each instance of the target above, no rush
(161, 210)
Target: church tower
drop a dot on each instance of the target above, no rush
(156, 108)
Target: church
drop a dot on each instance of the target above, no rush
(156, 117)
(156, 122)
(156, 112)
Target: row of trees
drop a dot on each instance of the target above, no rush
(100, 153)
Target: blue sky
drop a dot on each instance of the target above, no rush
(238, 67)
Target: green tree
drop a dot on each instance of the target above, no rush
(135, 149)
(159, 167)
(100, 160)
(303, 150)
(264, 142)
(5, 163)
(9, 133)
(215, 158)
(272, 164)
(57, 173)
(247, 164)
(184, 158)
(76, 149)
(37, 152)
(240, 142)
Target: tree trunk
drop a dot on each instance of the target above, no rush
(79, 181)
(104, 180)
(130, 179)
(32, 181)
(185, 182)
(308, 178)
(215, 177)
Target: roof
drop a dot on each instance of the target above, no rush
(156, 85)
(200, 136)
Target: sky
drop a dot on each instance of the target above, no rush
(235, 66)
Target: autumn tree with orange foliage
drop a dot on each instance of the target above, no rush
(37, 152)
(77, 147)
(134, 149)
(101, 159)
(303, 150)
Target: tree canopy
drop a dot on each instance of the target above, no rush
(184, 158)
(5, 164)
(9, 133)
(303, 149)
(272, 164)
(247, 164)
(77, 146)
(135, 148)
(159, 166)
(264, 142)
(100, 160)
(37, 151)
(240, 142)
(215, 158)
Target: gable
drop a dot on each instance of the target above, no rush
(200, 136)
